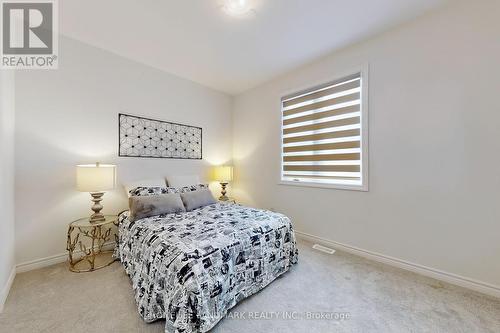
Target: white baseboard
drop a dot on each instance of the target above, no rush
(6, 288)
(451, 278)
(52, 260)
(40, 263)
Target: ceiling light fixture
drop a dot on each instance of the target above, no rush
(236, 7)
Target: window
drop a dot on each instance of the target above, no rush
(324, 135)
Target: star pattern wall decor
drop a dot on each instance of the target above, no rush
(144, 137)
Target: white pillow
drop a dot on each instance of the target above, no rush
(181, 181)
(144, 183)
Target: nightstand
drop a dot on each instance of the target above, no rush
(86, 244)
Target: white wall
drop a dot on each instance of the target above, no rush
(70, 116)
(434, 145)
(7, 260)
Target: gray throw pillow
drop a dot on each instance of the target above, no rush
(147, 206)
(197, 199)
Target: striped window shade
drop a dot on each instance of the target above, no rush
(322, 134)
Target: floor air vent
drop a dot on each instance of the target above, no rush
(323, 249)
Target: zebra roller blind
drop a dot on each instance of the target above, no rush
(322, 134)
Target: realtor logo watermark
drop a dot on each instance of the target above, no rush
(29, 34)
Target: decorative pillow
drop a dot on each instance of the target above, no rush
(192, 188)
(129, 186)
(148, 191)
(197, 199)
(153, 205)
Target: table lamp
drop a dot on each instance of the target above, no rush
(223, 174)
(96, 178)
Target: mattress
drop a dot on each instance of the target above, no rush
(191, 268)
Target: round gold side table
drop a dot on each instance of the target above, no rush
(90, 239)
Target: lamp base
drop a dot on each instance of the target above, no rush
(95, 218)
(223, 196)
(97, 207)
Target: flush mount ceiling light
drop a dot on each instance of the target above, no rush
(237, 7)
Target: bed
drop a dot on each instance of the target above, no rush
(190, 268)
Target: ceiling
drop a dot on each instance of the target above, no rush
(197, 40)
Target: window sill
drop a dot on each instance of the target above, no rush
(361, 188)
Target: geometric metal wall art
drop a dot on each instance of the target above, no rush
(144, 137)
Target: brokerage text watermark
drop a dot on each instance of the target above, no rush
(287, 315)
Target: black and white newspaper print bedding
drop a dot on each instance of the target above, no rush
(191, 268)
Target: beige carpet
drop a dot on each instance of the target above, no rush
(376, 297)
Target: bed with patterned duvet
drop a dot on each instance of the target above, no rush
(190, 268)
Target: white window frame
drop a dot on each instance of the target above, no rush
(364, 131)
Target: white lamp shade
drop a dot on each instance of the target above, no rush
(223, 173)
(95, 177)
